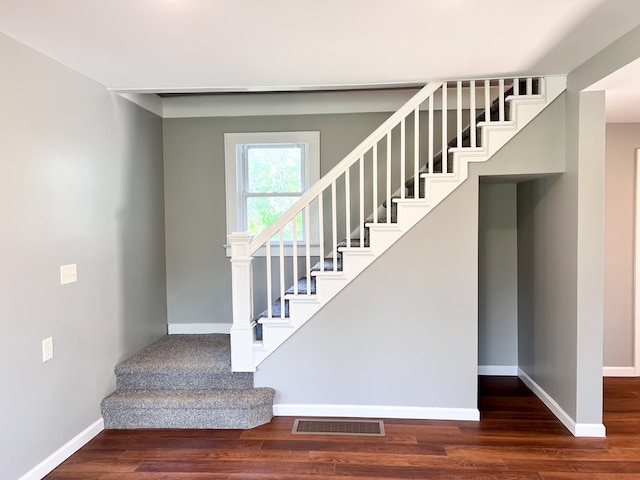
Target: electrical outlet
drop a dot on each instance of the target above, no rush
(47, 349)
(68, 274)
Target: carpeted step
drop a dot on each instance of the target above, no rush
(212, 408)
(182, 362)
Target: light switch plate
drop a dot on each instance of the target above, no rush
(47, 349)
(68, 274)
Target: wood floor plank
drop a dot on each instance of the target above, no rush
(389, 460)
(437, 472)
(355, 445)
(583, 466)
(540, 453)
(218, 453)
(247, 465)
(163, 476)
(517, 438)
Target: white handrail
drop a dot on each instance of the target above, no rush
(343, 165)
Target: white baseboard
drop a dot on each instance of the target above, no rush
(56, 458)
(194, 328)
(577, 429)
(498, 370)
(375, 411)
(618, 372)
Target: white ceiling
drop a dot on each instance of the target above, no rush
(255, 45)
(622, 94)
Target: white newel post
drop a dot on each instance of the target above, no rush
(242, 330)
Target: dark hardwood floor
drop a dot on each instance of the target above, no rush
(517, 438)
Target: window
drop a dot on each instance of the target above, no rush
(265, 174)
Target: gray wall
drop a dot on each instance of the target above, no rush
(622, 141)
(429, 356)
(495, 343)
(81, 183)
(536, 150)
(198, 270)
(561, 256)
(398, 335)
(590, 246)
(497, 276)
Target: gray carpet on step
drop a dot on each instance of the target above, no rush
(182, 362)
(227, 408)
(185, 381)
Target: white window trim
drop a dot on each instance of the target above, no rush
(232, 140)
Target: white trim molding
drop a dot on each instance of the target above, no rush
(150, 102)
(577, 429)
(375, 411)
(198, 328)
(47, 465)
(636, 276)
(498, 370)
(618, 371)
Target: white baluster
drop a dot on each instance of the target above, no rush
(416, 152)
(321, 228)
(307, 236)
(529, 86)
(487, 101)
(375, 183)
(269, 282)
(501, 99)
(403, 187)
(388, 177)
(472, 115)
(361, 192)
(334, 223)
(282, 283)
(242, 330)
(347, 201)
(516, 87)
(445, 141)
(294, 256)
(459, 113)
(431, 139)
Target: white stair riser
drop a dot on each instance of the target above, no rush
(303, 309)
(381, 240)
(327, 288)
(354, 263)
(412, 213)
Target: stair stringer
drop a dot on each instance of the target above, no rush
(410, 211)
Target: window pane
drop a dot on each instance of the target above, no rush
(263, 211)
(274, 169)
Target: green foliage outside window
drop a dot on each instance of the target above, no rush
(274, 183)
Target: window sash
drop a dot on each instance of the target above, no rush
(236, 193)
(245, 193)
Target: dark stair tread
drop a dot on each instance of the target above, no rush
(328, 264)
(354, 243)
(302, 286)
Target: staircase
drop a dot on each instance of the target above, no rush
(369, 200)
(185, 381)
